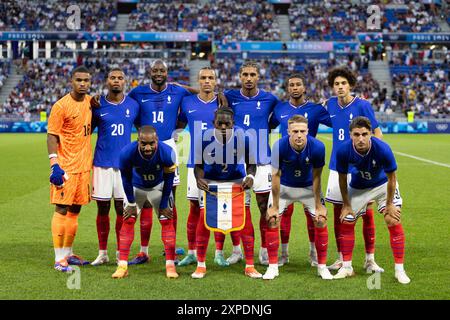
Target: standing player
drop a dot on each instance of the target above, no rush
(225, 157)
(114, 118)
(253, 108)
(316, 114)
(198, 111)
(372, 166)
(159, 107)
(69, 151)
(148, 170)
(297, 162)
(342, 109)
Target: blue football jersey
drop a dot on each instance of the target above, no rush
(369, 170)
(297, 167)
(253, 115)
(199, 116)
(160, 109)
(225, 162)
(143, 173)
(341, 118)
(315, 113)
(115, 123)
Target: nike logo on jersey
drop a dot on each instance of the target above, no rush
(284, 116)
(145, 100)
(190, 111)
(332, 116)
(235, 103)
(103, 114)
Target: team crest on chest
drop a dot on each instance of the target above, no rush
(127, 113)
(258, 105)
(169, 100)
(306, 114)
(307, 160)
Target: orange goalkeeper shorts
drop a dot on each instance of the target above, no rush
(76, 190)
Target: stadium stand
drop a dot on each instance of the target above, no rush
(24, 15)
(46, 80)
(229, 20)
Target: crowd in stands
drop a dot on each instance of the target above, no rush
(4, 71)
(424, 90)
(47, 80)
(229, 20)
(342, 20)
(52, 15)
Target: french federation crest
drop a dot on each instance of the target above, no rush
(224, 207)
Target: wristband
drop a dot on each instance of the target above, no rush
(53, 159)
(250, 176)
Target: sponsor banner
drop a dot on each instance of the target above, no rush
(106, 36)
(305, 46)
(404, 37)
(438, 127)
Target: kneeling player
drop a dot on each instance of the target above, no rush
(297, 162)
(372, 166)
(147, 168)
(225, 157)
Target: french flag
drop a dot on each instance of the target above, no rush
(224, 207)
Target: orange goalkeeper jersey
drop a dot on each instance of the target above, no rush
(70, 120)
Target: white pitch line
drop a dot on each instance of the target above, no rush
(412, 157)
(422, 159)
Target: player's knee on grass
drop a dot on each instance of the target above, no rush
(103, 207)
(118, 206)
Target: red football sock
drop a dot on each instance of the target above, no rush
(236, 238)
(168, 238)
(285, 224)
(337, 225)
(219, 238)
(102, 231)
(397, 237)
(248, 237)
(263, 229)
(321, 242)
(273, 243)
(119, 222)
(146, 225)
(310, 226)
(202, 237)
(193, 218)
(175, 217)
(369, 230)
(347, 240)
(126, 238)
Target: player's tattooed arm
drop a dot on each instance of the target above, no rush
(199, 174)
(346, 206)
(392, 213)
(188, 88)
(321, 211)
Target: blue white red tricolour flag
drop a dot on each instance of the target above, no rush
(224, 207)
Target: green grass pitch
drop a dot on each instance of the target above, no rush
(26, 253)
